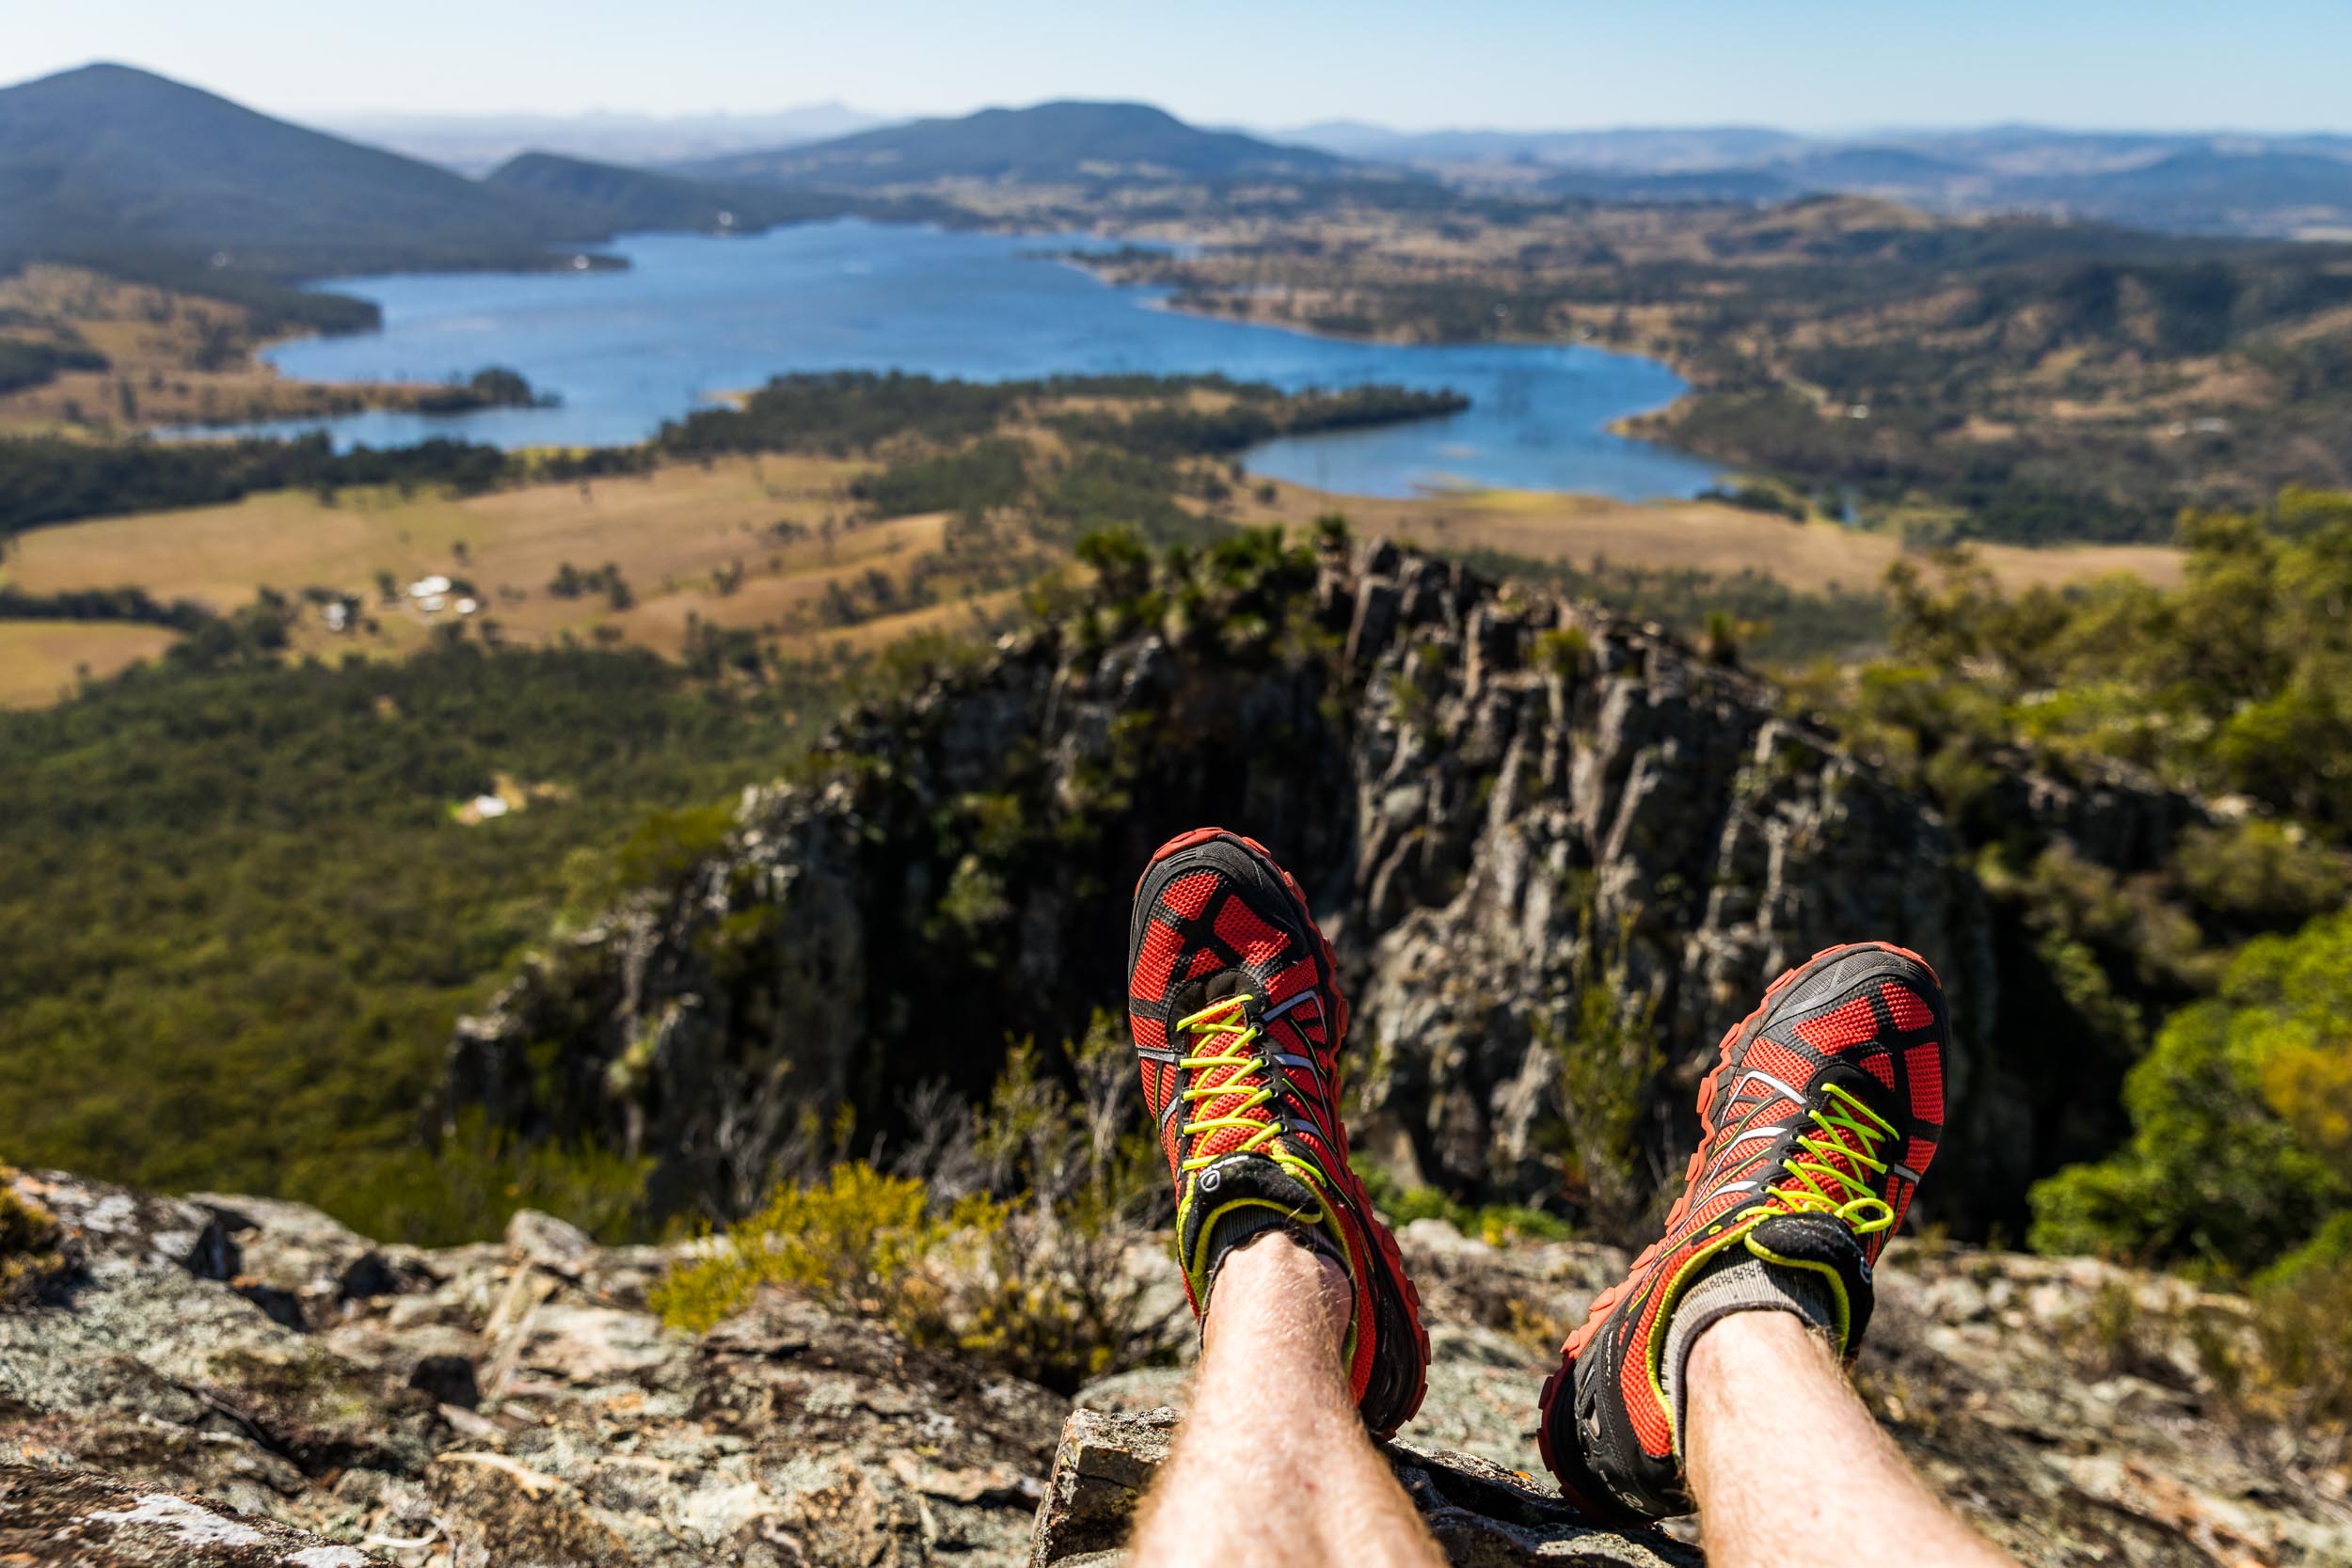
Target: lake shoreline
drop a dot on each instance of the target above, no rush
(1622, 426)
(694, 318)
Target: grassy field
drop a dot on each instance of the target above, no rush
(172, 359)
(670, 532)
(769, 545)
(679, 536)
(42, 660)
(1707, 536)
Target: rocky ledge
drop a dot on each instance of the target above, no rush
(1483, 1515)
(235, 1381)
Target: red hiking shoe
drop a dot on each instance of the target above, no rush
(1814, 1128)
(1238, 1022)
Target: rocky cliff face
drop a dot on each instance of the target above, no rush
(245, 1383)
(1559, 855)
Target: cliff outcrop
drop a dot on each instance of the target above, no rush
(1559, 853)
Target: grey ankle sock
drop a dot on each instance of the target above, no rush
(1750, 1286)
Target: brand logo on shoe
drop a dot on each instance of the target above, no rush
(1211, 1181)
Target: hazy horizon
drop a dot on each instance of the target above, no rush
(363, 117)
(1814, 66)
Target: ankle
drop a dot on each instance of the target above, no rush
(1747, 1337)
(1276, 1274)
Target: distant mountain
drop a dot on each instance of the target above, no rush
(2030, 150)
(2208, 182)
(1347, 138)
(107, 158)
(1636, 151)
(624, 200)
(1050, 142)
(2204, 190)
(154, 178)
(476, 144)
(1854, 167)
(1749, 186)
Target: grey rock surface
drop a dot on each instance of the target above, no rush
(790, 1436)
(785, 1436)
(1484, 1515)
(57, 1518)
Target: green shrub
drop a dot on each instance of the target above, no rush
(974, 903)
(1062, 1143)
(1564, 651)
(1120, 561)
(667, 844)
(2303, 1324)
(862, 1242)
(2260, 874)
(469, 1184)
(1605, 1041)
(1494, 1224)
(32, 1246)
(1003, 1237)
(2241, 1115)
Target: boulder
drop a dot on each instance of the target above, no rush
(62, 1518)
(1484, 1515)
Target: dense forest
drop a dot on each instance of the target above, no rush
(244, 909)
(2222, 976)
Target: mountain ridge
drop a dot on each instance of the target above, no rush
(107, 156)
(143, 176)
(626, 200)
(2220, 183)
(1060, 139)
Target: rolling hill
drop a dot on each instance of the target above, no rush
(1048, 143)
(108, 159)
(622, 201)
(144, 177)
(2172, 181)
(2209, 190)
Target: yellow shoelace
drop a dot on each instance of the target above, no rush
(1822, 1187)
(1221, 1024)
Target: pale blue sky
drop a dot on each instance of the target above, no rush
(1804, 64)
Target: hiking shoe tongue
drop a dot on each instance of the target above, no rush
(1238, 1199)
(1194, 996)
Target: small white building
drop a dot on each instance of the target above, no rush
(426, 588)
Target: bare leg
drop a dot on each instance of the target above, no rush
(1763, 1387)
(1273, 1465)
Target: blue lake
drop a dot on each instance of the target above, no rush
(696, 316)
